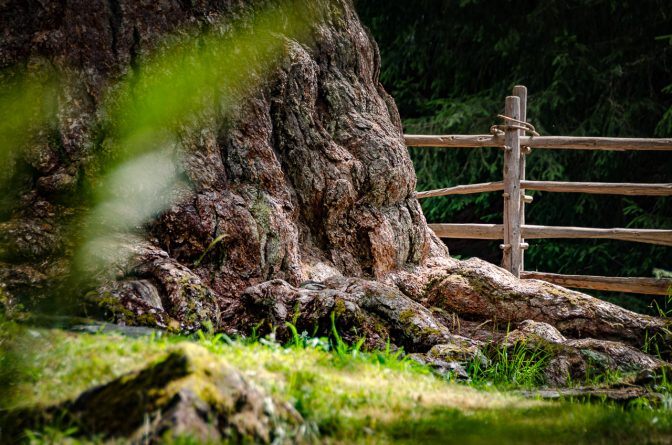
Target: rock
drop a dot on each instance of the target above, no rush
(535, 333)
(453, 370)
(189, 392)
(458, 353)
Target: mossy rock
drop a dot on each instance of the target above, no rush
(187, 393)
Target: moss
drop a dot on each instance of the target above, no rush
(482, 287)
(431, 284)
(114, 306)
(406, 317)
(114, 309)
(120, 406)
(412, 331)
(297, 313)
(409, 328)
(146, 319)
(365, 399)
(261, 211)
(196, 301)
(379, 328)
(427, 332)
(10, 308)
(273, 251)
(339, 307)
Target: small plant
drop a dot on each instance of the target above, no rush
(596, 376)
(345, 354)
(254, 335)
(510, 366)
(214, 340)
(304, 341)
(49, 436)
(341, 348)
(214, 242)
(666, 310)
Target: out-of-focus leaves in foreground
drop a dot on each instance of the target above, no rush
(189, 77)
(134, 171)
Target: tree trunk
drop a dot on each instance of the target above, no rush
(301, 200)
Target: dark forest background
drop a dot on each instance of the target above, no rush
(592, 68)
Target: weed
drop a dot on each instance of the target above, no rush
(254, 335)
(50, 435)
(304, 341)
(666, 310)
(214, 242)
(597, 376)
(510, 366)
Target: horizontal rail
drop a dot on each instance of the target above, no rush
(559, 142)
(650, 236)
(607, 188)
(469, 231)
(596, 143)
(496, 231)
(650, 286)
(454, 140)
(462, 190)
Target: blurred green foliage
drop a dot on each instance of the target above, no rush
(182, 84)
(592, 67)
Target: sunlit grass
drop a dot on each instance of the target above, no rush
(367, 397)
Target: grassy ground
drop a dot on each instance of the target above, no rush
(347, 396)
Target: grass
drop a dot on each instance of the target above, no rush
(516, 366)
(345, 394)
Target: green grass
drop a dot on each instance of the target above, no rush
(345, 394)
(515, 366)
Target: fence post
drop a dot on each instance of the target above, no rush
(512, 197)
(521, 91)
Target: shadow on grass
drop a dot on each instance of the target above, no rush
(557, 423)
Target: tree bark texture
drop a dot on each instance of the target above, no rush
(307, 185)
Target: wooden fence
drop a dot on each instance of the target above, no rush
(512, 137)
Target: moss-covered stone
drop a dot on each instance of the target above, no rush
(189, 391)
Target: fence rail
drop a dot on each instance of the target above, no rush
(604, 188)
(550, 142)
(514, 230)
(496, 231)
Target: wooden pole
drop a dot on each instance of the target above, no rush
(511, 248)
(651, 286)
(521, 92)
